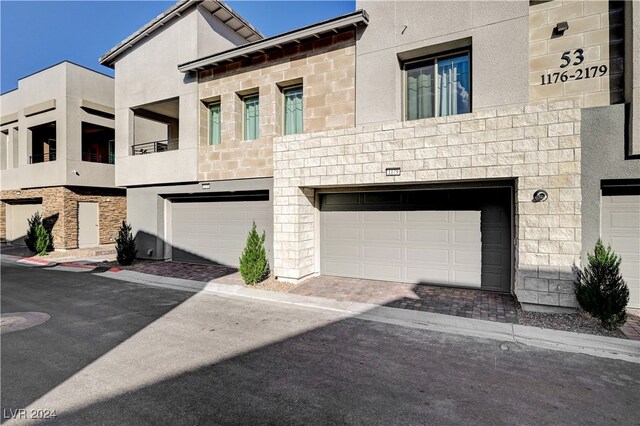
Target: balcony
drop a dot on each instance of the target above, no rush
(153, 147)
(156, 127)
(98, 144)
(42, 141)
(43, 158)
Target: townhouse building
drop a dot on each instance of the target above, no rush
(473, 144)
(57, 157)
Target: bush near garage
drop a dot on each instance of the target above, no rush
(254, 266)
(600, 289)
(33, 223)
(125, 245)
(42, 240)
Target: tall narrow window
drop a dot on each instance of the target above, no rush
(251, 118)
(293, 110)
(214, 124)
(438, 87)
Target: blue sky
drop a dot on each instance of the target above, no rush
(37, 34)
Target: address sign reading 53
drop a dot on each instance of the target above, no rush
(574, 59)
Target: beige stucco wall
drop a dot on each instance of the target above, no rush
(326, 69)
(55, 94)
(596, 27)
(499, 58)
(149, 73)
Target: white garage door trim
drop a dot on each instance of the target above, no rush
(620, 227)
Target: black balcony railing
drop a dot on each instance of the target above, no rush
(98, 158)
(156, 146)
(43, 158)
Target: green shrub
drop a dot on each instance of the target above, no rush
(32, 225)
(254, 266)
(125, 245)
(600, 289)
(43, 240)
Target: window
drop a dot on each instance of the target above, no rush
(214, 124)
(437, 87)
(251, 117)
(293, 110)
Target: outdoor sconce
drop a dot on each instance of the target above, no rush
(540, 195)
(561, 27)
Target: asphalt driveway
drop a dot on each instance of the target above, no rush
(120, 353)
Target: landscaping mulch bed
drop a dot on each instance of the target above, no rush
(272, 284)
(578, 322)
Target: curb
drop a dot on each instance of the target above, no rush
(600, 346)
(30, 261)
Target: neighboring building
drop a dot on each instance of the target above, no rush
(57, 157)
(474, 144)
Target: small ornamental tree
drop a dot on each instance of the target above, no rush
(600, 289)
(254, 266)
(125, 245)
(32, 225)
(43, 240)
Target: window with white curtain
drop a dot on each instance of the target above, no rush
(251, 117)
(293, 114)
(438, 86)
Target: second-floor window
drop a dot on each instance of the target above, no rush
(293, 110)
(214, 124)
(251, 117)
(438, 86)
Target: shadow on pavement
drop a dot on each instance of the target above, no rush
(87, 321)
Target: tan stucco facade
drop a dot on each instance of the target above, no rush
(326, 70)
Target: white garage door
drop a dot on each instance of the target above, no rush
(17, 217)
(620, 227)
(217, 231)
(432, 247)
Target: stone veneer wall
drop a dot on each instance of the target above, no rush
(595, 26)
(326, 69)
(538, 146)
(63, 202)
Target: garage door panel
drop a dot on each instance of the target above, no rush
(342, 233)
(217, 231)
(383, 253)
(342, 250)
(466, 236)
(427, 217)
(383, 234)
(427, 255)
(428, 275)
(382, 217)
(428, 235)
(620, 227)
(471, 257)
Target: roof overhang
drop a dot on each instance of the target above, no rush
(334, 25)
(216, 7)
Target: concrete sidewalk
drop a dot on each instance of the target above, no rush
(607, 347)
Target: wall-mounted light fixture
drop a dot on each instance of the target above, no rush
(561, 27)
(539, 196)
